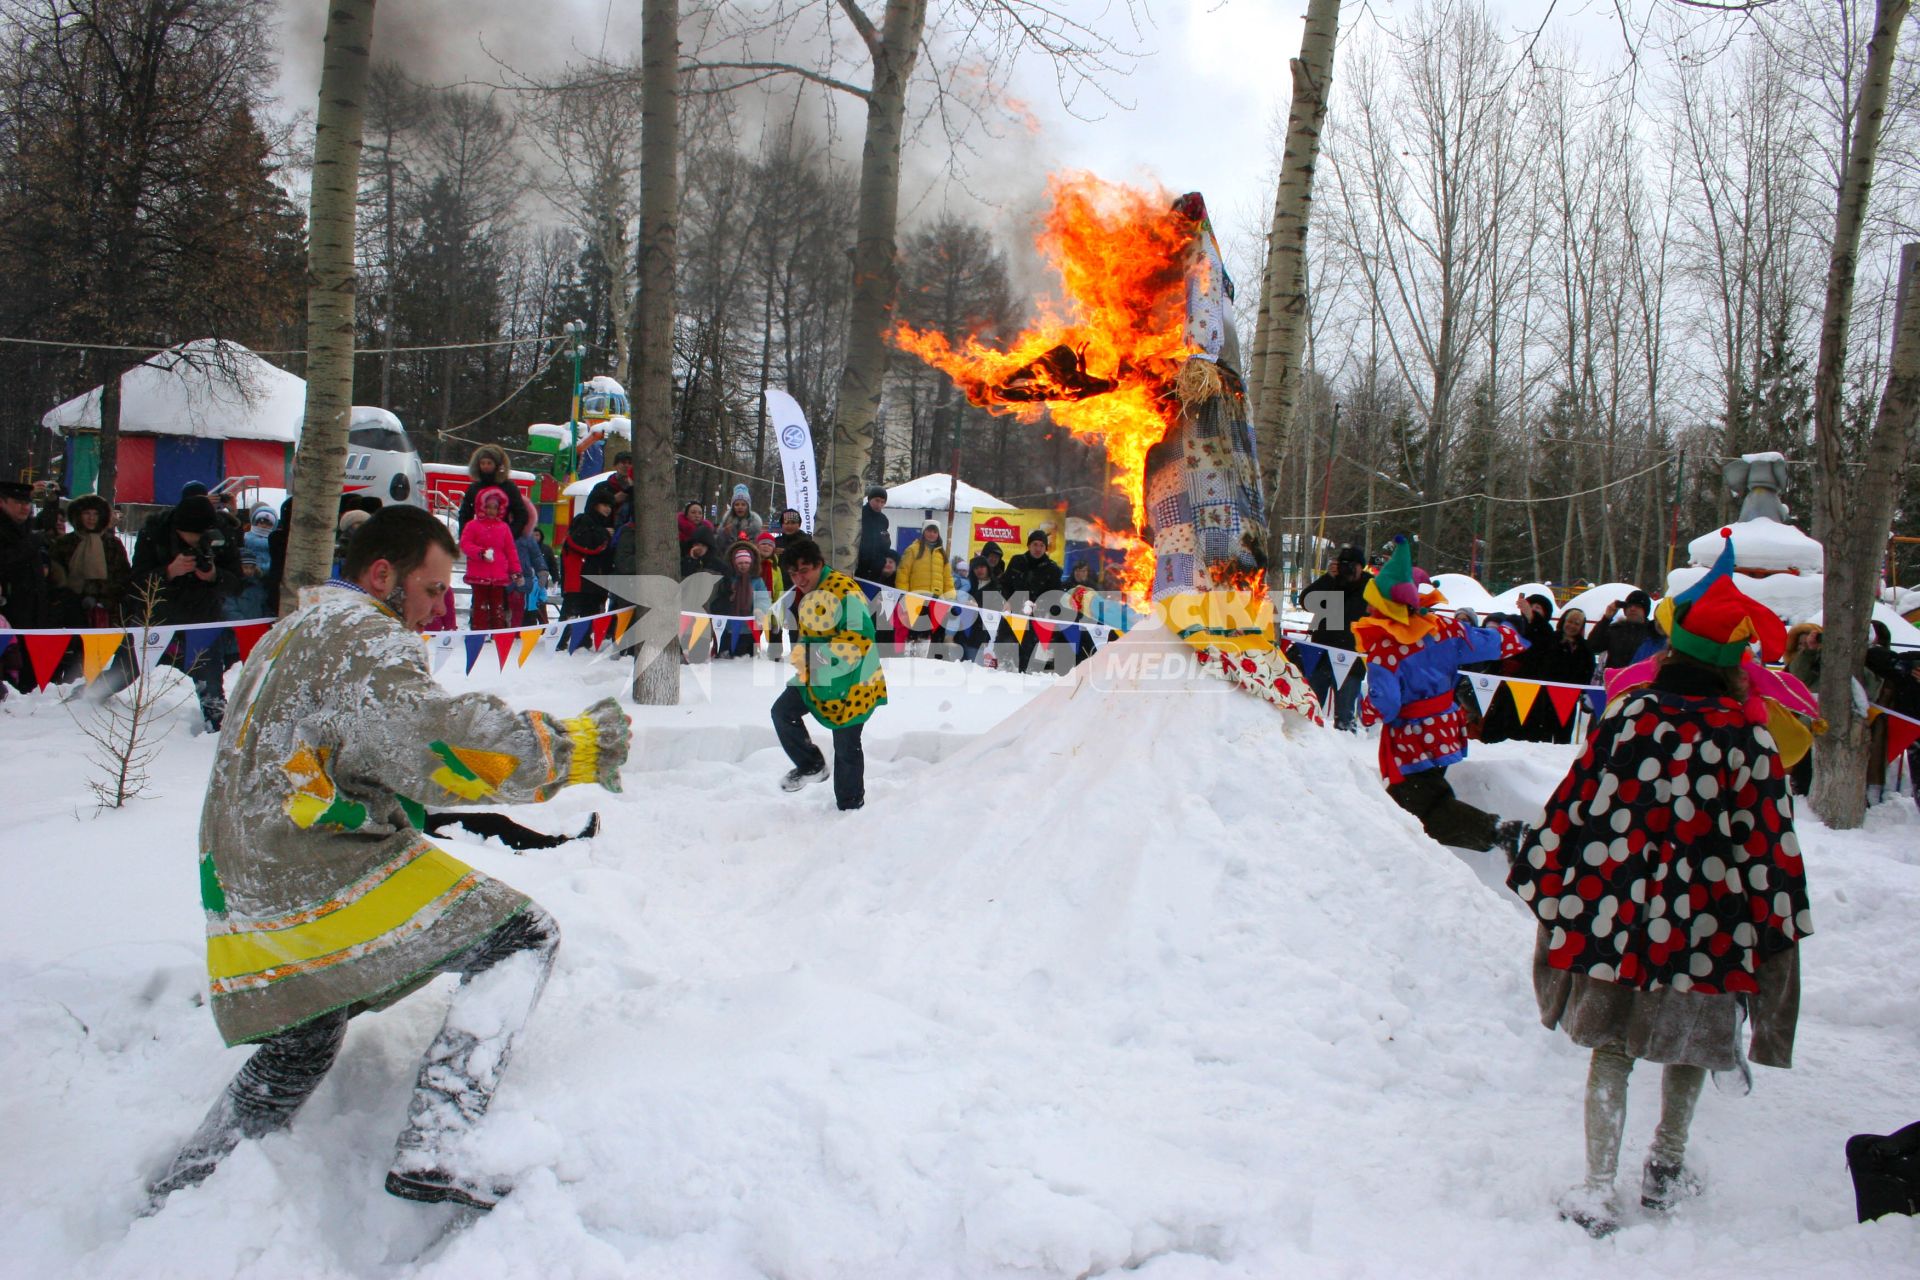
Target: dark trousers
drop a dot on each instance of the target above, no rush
(1428, 796)
(583, 603)
(1345, 704)
(849, 758)
(455, 1084)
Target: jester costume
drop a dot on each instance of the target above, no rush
(1413, 658)
(1669, 888)
(838, 681)
(322, 896)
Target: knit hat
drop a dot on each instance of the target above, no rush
(1637, 599)
(876, 491)
(740, 549)
(1400, 589)
(1351, 555)
(194, 514)
(1713, 621)
(741, 494)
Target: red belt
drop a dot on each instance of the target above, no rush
(1424, 709)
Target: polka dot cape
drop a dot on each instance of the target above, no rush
(1667, 857)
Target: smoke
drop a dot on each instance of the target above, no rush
(451, 41)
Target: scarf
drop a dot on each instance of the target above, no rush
(88, 567)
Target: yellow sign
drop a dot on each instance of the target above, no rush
(1009, 529)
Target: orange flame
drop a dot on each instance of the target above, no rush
(1122, 255)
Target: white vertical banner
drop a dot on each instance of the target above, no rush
(796, 455)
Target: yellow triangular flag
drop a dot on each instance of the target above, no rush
(698, 630)
(97, 651)
(621, 621)
(1524, 692)
(1018, 624)
(912, 606)
(528, 638)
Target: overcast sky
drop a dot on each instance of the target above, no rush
(1203, 100)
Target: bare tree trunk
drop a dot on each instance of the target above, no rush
(1856, 518)
(109, 460)
(893, 48)
(318, 466)
(656, 669)
(1283, 303)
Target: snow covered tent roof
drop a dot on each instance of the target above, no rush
(930, 491)
(204, 388)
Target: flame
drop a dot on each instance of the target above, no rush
(1121, 253)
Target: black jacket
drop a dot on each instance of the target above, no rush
(1029, 576)
(187, 598)
(24, 596)
(1620, 639)
(875, 545)
(1567, 662)
(708, 563)
(1335, 606)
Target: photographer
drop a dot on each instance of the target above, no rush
(187, 554)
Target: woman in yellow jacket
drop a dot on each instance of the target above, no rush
(925, 571)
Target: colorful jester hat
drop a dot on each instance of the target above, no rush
(1714, 621)
(1403, 595)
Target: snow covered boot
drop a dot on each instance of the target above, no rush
(501, 981)
(1595, 1210)
(798, 779)
(1663, 1186)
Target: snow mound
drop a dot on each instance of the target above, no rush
(1761, 543)
(1508, 601)
(1594, 600)
(1463, 592)
(1905, 634)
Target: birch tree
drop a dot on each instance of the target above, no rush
(1857, 507)
(322, 457)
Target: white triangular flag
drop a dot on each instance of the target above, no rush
(1343, 660)
(441, 647)
(889, 601)
(152, 644)
(1484, 687)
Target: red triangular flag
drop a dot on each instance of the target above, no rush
(248, 636)
(600, 626)
(939, 609)
(503, 642)
(1564, 701)
(1901, 734)
(45, 652)
(1045, 631)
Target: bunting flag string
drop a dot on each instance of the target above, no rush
(96, 652)
(1523, 692)
(503, 642)
(1902, 731)
(43, 655)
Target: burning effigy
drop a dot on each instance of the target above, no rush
(1140, 354)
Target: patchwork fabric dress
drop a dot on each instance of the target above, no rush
(838, 667)
(320, 891)
(1668, 884)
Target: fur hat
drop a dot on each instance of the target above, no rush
(194, 515)
(491, 500)
(89, 502)
(494, 451)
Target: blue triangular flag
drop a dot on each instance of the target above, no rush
(1308, 656)
(578, 635)
(195, 641)
(1072, 637)
(476, 641)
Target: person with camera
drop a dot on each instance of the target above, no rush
(186, 553)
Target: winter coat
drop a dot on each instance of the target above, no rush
(689, 528)
(1030, 577)
(585, 550)
(187, 598)
(738, 596)
(320, 892)
(106, 592)
(874, 546)
(520, 512)
(533, 563)
(1411, 686)
(733, 528)
(1560, 660)
(485, 534)
(838, 668)
(925, 570)
(1624, 642)
(708, 563)
(1335, 606)
(1668, 882)
(260, 546)
(24, 595)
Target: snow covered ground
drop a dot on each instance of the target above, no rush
(1119, 973)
